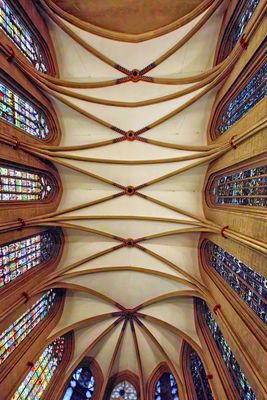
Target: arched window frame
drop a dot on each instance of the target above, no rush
(256, 60)
(11, 210)
(257, 161)
(26, 323)
(189, 382)
(52, 181)
(91, 363)
(234, 11)
(25, 89)
(125, 375)
(155, 376)
(16, 364)
(28, 14)
(12, 292)
(254, 323)
(206, 337)
(49, 393)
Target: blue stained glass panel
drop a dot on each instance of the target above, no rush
(248, 284)
(166, 388)
(237, 24)
(254, 91)
(81, 385)
(240, 381)
(124, 391)
(243, 187)
(202, 387)
(242, 20)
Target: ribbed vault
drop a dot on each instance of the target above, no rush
(132, 202)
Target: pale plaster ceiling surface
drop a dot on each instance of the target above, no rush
(127, 286)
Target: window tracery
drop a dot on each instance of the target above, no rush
(81, 385)
(235, 29)
(11, 338)
(21, 113)
(246, 186)
(246, 98)
(124, 391)
(21, 184)
(40, 375)
(18, 257)
(238, 377)
(21, 36)
(201, 384)
(248, 284)
(166, 387)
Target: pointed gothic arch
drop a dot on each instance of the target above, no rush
(25, 260)
(23, 29)
(238, 280)
(15, 367)
(47, 366)
(233, 378)
(241, 186)
(26, 183)
(247, 90)
(153, 383)
(120, 377)
(197, 381)
(24, 113)
(89, 388)
(240, 12)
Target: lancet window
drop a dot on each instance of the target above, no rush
(124, 391)
(201, 384)
(245, 186)
(20, 112)
(81, 385)
(21, 328)
(20, 184)
(21, 36)
(166, 388)
(236, 373)
(41, 374)
(248, 284)
(254, 90)
(236, 26)
(18, 257)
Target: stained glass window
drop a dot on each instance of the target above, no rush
(236, 26)
(253, 92)
(16, 30)
(19, 330)
(20, 256)
(81, 385)
(243, 187)
(20, 184)
(166, 388)
(237, 375)
(201, 384)
(124, 391)
(20, 112)
(40, 375)
(248, 284)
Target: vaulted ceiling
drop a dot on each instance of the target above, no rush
(128, 277)
(129, 16)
